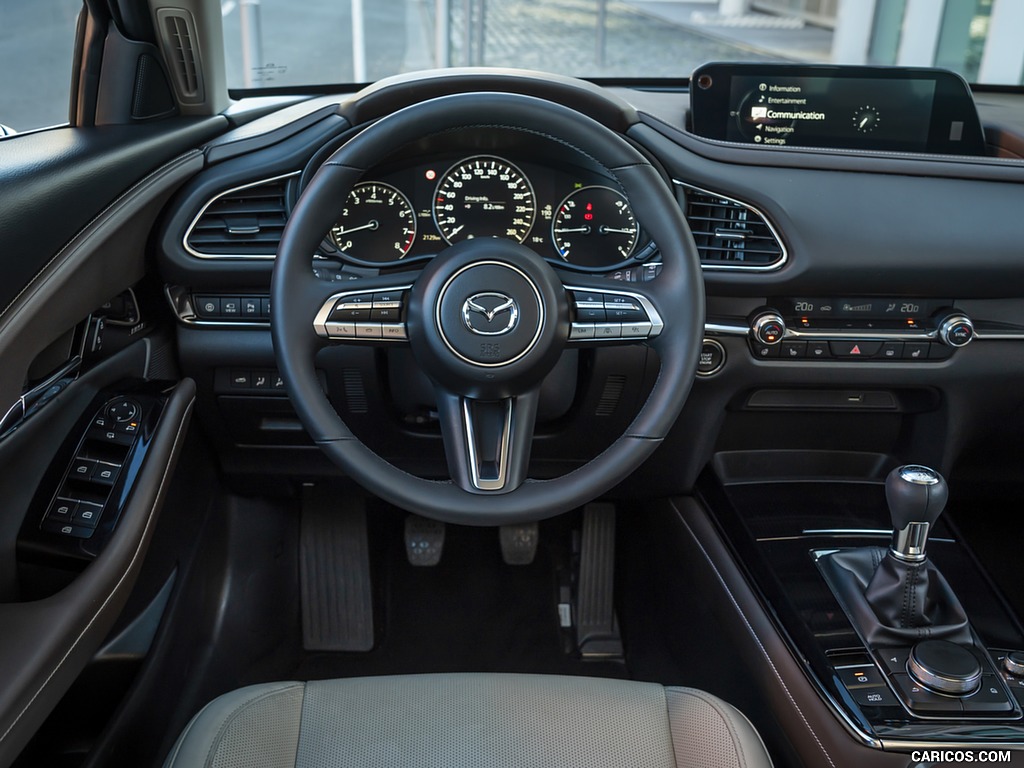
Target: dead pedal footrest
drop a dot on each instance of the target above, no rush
(334, 557)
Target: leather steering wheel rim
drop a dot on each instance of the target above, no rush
(677, 294)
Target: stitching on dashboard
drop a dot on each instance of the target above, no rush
(120, 581)
(179, 160)
(753, 634)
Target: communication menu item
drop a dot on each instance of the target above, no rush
(898, 109)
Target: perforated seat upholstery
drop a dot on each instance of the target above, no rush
(506, 721)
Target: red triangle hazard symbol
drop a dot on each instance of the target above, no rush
(855, 350)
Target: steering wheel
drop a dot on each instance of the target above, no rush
(487, 320)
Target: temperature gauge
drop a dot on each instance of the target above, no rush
(594, 227)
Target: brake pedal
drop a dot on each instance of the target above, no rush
(519, 543)
(334, 557)
(597, 629)
(424, 541)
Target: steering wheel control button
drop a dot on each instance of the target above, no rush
(580, 331)
(624, 309)
(394, 331)
(636, 330)
(944, 667)
(369, 331)
(353, 309)
(712, 358)
(607, 330)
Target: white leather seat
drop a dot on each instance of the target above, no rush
(454, 720)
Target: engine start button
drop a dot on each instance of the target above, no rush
(712, 358)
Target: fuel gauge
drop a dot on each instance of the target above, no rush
(594, 227)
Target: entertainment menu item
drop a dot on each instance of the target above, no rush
(878, 108)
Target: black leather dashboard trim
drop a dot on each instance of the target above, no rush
(271, 129)
(46, 643)
(55, 181)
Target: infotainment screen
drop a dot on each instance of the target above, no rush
(879, 108)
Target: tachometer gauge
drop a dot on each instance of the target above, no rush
(377, 224)
(484, 197)
(594, 227)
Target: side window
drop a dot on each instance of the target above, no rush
(36, 47)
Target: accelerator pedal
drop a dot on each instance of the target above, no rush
(519, 543)
(597, 630)
(424, 541)
(334, 557)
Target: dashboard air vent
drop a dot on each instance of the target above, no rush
(177, 30)
(730, 234)
(245, 222)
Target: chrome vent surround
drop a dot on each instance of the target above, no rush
(244, 222)
(731, 235)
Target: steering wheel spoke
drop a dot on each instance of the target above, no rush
(487, 442)
(603, 312)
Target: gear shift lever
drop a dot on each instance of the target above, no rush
(916, 496)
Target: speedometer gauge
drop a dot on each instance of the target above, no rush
(484, 196)
(377, 224)
(594, 227)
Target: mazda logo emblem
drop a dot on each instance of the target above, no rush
(490, 313)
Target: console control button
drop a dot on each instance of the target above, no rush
(250, 306)
(891, 350)
(893, 660)
(208, 306)
(67, 529)
(861, 349)
(989, 698)
(915, 350)
(854, 677)
(765, 351)
(793, 350)
(919, 699)
(818, 350)
(768, 328)
(874, 696)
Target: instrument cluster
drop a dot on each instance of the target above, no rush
(574, 216)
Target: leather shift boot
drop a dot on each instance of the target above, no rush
(892, 603)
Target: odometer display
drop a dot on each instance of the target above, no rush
(594, 227)
(377, 224)
(484, 196)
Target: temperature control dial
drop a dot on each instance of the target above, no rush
(956, 330)
(768, 328)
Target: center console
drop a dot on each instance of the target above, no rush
(906, 638)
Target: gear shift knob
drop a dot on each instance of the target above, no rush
(916, 496)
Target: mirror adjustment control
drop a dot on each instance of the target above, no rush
(768, 328)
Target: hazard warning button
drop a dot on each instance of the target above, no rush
(863, 349)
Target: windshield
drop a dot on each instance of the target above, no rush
(287, 43)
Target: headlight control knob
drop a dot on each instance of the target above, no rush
(956, 330)
(768, 328)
